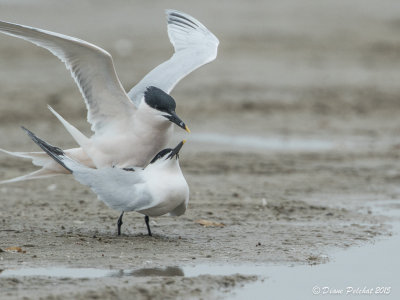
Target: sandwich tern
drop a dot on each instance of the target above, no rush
(158, 189)
(129, 128)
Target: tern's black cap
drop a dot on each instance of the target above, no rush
(158, 99)
(161, 154)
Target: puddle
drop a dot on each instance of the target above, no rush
(367, 272)
(272, 143)
(64, 272)
(263, 143)
(57, 272)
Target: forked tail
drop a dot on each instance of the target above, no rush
(42, 173)
(78, 136)
(49, 167)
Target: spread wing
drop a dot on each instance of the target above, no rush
(91, 67)
(194, 46)
(119, 189)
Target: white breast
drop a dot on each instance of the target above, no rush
(169, 190)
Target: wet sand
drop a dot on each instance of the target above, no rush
(303, 74)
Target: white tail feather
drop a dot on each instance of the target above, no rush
(49, 166)
(78, 136)
(42, 173)
(38, 158)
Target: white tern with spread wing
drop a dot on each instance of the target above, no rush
(129, 128)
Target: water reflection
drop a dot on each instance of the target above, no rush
(91, 272)
(150, 272)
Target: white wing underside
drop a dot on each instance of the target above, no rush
(194, 46)
(92, 69)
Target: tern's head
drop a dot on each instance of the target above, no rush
(164, 105)
(168, 155)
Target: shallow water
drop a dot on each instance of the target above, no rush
(274, 143)
(367, 272)
(64, 272)
(263, 143)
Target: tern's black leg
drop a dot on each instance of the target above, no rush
(119, 223)
(146, 219)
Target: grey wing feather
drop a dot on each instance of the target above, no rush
(194, 46)
(119, 189)
(91, 67)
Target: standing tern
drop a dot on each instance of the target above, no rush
(129, 128)
(156, 190)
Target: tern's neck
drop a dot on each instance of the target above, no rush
(148, 118)
(167, 165)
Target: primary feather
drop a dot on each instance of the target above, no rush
(194, 47)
